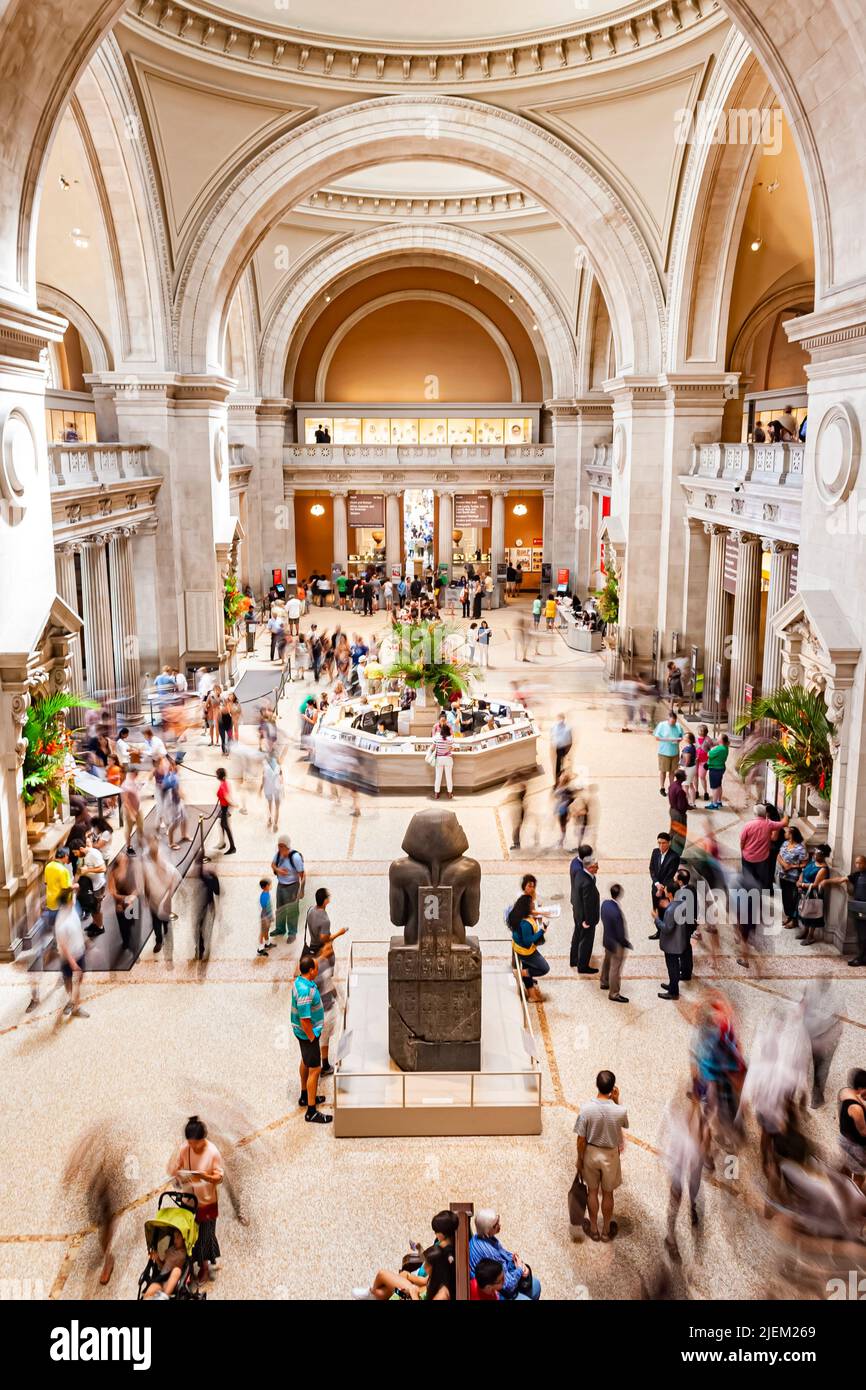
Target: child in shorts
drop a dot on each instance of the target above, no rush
(266, 917)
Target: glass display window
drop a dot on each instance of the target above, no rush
(461, 431)
(376, 431)
(313, 423)
(518, 431)
(347, 431)
(404, 431)
(433, 432)
(490, 431)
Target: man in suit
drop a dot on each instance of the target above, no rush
(674, 937)
(663, 865)
(586, 910)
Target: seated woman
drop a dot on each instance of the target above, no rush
(169, 1266)
(437, 1282)
(525, 938)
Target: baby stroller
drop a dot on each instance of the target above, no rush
(158, 1233)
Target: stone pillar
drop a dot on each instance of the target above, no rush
(124, 625)
(781, 554)
(98, 647)
(289, 535)
(696, 587)
(563, 542)
(393, 530)
(714, 632)
(547, 527)
(637, 502)
(497, 539)
(64, 561)
(341, 529)
(747, 605)
(276, 539)
(445, 538)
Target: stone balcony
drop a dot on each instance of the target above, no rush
(747, 487)
(520, 465)
(98, 488)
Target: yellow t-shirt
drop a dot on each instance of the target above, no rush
(57, 877)
(550, 608)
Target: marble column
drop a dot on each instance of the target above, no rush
(747, 606)
(445, 538)
(393, 531)
(341, 529)
(714, 632)
(98, 647)
(547, 527)
(781, 556)
(288, 553)
(64, 562)
(497, 539)
(124, 625)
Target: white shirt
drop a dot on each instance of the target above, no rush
(94, 864)
(69, 933)
(294, 608)
(155, 747)
(121, 748)
(180, 681)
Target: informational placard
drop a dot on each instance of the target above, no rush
(562, 578)
(471, 509)
(717, 686)
(366, 509)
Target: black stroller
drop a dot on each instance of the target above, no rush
(161, 1233)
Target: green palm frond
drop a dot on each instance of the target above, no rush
(799, 750)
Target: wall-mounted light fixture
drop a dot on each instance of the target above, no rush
(317, 509)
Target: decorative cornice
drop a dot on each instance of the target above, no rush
(336, 201)
(318, 58)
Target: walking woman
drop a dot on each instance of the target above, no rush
(224, 723)
(198, 1166)
(793, 857)
(526, 935)
(442, 747)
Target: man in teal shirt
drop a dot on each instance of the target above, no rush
(308, 1017)
(668, 735)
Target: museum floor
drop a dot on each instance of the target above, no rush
(165, 1041)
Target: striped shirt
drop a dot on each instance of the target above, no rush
(444, 746)
(306, 1003)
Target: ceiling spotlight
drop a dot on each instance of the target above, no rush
(757, 243)
(317, 509)
(80, 239)
(520, 510)
(535, 328)
(518, 542)
(511, 299)
(475, 280)
(327, 299)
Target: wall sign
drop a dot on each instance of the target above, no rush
(471, 509)
(366, 509)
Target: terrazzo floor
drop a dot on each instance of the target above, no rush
(173, 1037)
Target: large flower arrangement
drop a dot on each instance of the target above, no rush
(235, 603)
(424, 658)
(799, 750)
(48, 744)
(608, 599)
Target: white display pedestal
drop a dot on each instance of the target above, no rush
(373, 1098)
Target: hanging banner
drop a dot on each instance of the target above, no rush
(471, 509)
(366, 509)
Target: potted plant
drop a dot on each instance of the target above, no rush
(608, 599)
(799, 747)
(44, 774)
(235, 603)
(424, 661)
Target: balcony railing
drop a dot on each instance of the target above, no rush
(774, 465)
(96, 465)
(518, 455)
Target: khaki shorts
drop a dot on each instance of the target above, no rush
(668, 764)
(601, 1168)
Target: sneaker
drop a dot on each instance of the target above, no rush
(262, 951)
(315, 1117)
(80, 1013)
(327, 1070)
(662, 791)
(302, 1099)
(362, 1294)
(34, 1003)
(67, 1010)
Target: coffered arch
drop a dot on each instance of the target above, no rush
(437, 245)
(402, 127)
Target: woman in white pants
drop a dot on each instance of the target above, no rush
(443, 744)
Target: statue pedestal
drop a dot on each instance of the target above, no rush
(434, 1005)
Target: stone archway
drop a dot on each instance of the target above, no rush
(401, 127)
(437, 243)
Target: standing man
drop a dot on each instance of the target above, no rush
(668, 734)
(293, 613)
(616, 943)
(586, 910)
(319, 941)
(756, 840)
(663, 864)
(560, 743)
(58, 877)
(599, 1128)
(674, 935)
(288, 867)
(308, 1018)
